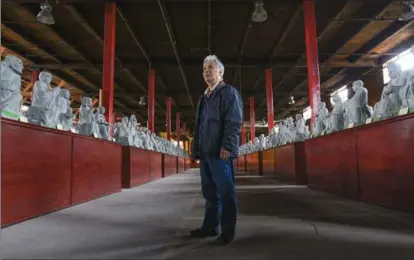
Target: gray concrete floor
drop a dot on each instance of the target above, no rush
(276, 221)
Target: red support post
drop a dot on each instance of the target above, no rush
(269, 99)
(312, 57)
(151, 100)
(252, 120)
(184, 128)
(168, 117)
(243, 135)
(178, 127)
(109, 61)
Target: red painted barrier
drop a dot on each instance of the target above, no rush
(331, 163)
(268, 162)
(96, 168)
(180, 164)
(290, 163)
(169, 165)
(386, 163)
(135, 166)
(241, 161)
(155, 165)
(36, 171)
(253, 163)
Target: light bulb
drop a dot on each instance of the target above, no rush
(291, 101)
(45, 15)
(259, 14)
(142, 101)
(408, 13)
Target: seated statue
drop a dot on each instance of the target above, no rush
(262, 141)
(121, 132)
(320, 121)
(301, 131)
(10, 95)
(66, 115)
(337, 115)
(87, 124)
(103, 126)
(45, 108)
(360, 111)
(390, 101)
(133, 131)
(407, 92)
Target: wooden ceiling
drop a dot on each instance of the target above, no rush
(354, 38)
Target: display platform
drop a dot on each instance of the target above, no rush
(253, 163)
(268, 162)
(386, 163)
(180, 164)
(96, 168)
(241, 163)
(290, 163)
(169, 165)
(36, 171)
(135, 166)
(155, 165)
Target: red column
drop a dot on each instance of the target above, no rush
(312, 57)
(151, 100)
(168, 117)
(269, 99)
(243, 135)
(252, 120)
(109, 61)
(178, 127)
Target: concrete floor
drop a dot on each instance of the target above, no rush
(276, 221)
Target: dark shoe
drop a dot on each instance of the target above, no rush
(223, 240)
(202, 233)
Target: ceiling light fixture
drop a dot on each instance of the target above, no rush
(408, 11)
(142, 101)
(45, 15)
(292, 100)
(259, 14)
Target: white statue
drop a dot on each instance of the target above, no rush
(337, 115)
(122, 132)
(301, 130)
(46, 102)
(103, 126)
(319, 124)
(360, 110)
(87, 124)
(390, 101)
(66, 115)
(10, 96)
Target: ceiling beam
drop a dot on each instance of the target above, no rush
(79, 18)
(168, 26)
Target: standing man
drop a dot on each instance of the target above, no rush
(215, 144)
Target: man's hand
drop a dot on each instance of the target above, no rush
(224, 154)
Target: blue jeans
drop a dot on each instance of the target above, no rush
(218, 188)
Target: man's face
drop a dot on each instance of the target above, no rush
(211, 73)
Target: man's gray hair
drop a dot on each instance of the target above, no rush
(219, 64)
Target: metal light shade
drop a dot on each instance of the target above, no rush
(259, 14)
(408, 13)
(142, 101)
(45, 15)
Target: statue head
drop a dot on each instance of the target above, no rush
(65, 93)
(7, 61)
(394, 70)
(357, 85)
(336, 98)
(133, 121)
(125, 120)
(17, 64)
(298, 117)
(101, 110)
(45, 77)
(86, 101)
(322, 105)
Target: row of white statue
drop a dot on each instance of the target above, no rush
(50, 107)
(397, 98)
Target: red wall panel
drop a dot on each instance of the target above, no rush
(386, 163)
(169, 165)
(135, 167)
(155, 162)
(268, 162)
(96, 168)
(290, 163)
(253, 163)
(331, 163)
(180, 164)
(242, 163)
(36, 171)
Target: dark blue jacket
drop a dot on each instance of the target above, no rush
(224, 120)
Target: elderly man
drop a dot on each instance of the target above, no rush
(215, 144)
